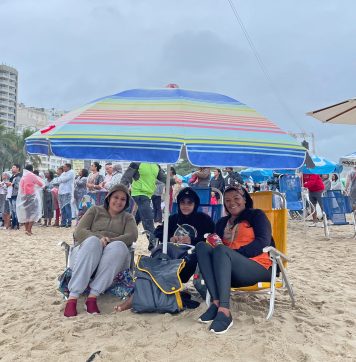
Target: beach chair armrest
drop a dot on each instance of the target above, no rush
(274, 252)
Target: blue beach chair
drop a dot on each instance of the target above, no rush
(290, 185)
(204, 193)
(336, 207)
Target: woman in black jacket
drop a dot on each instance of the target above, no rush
(187, 226)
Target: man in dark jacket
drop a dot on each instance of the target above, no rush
(232, 178)
(14, 182)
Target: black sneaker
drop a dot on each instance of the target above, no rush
(209, 315)
(221, 324)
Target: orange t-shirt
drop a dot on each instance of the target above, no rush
(243, 234)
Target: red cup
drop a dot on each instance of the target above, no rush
(213, 239)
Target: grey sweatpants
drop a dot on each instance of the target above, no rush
(89, 256)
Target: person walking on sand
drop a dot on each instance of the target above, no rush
(351, 186)
(65, 194)
(14, 184)
(80, 186)
(142, 178)
(157, 201)
(3, 192)
(29, 199)
(7, 207)
(316, 187)
(48, 199)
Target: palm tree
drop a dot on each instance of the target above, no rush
(13, 149)
(5, 153)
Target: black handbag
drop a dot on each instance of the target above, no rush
(157, 285)
(174, 251)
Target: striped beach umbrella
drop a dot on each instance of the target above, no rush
(152, 125)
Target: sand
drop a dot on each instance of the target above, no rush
(320, 328)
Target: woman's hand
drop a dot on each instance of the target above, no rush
(90, 186)
(105, 241)
(185, 239)
(181, 239)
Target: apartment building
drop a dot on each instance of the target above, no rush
(8, 95)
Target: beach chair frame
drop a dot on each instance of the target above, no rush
(344, 207)
(263, 200)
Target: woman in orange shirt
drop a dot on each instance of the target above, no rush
(239, 261)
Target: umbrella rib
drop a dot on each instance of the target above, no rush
(326, 108)
(341, 113)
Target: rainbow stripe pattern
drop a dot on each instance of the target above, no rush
(152, 125)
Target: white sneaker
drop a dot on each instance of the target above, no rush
(313, 224)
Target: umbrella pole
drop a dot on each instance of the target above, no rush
(166, 210)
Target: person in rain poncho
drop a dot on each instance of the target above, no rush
(351, 186)
(29, 199)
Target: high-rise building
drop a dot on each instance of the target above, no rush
(32, 118)
(8, 95)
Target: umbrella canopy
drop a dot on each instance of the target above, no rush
(257, 174)
(349, 160)
(322, 166)
(340, 113)
(152, 125)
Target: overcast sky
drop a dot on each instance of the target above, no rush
(69, 52)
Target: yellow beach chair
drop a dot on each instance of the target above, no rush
(278, 218)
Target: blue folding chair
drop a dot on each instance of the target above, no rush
(290, 185)
(204, 193)
(335, 208)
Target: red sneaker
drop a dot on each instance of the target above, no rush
(91, 306)
(71, 308)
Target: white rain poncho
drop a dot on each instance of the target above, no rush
(29, 198)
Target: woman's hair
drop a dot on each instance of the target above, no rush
(173, 170)
(50, 174)
(29, 168)
(97, 165)
(116, 167)
(243, 192)
(219, 172)
(336, 176)
(85, 172)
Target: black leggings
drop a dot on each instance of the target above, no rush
(189, 269)
(223, 268)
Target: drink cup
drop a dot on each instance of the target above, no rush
(213, 239)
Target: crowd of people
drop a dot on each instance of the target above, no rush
(27, 196)
(108, 228)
